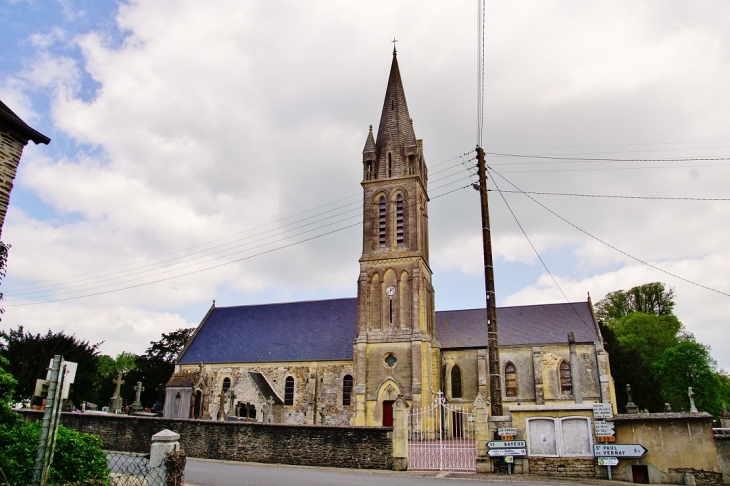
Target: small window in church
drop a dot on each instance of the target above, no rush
(399, 220)
(390, 360)
(226, 384)
(381, 222)
(510, 380)
(289, 391)
(390, 165)
(346, 389)
(566, 379)
(455, 382)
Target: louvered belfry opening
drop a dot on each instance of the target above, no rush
(399, 220)
(381, 222)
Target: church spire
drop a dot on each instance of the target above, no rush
(395, 131)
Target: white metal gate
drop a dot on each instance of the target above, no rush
(441, 436)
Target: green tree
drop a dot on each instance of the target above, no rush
(7, 387)
(29, 355)
(652, 298)
(724, 380)
(156, 366)
(689, 364)
(628, 366)
(647, 334)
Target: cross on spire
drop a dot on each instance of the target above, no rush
(394, 41)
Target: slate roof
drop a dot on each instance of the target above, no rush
(517, 326)
(11, 120)
(395, 122)
(298, 331)
(325, 329)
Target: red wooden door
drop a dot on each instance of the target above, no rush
(388, 413)
(640, 473)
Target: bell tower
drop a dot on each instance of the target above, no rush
(395, 351)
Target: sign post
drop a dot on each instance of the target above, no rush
(625, 451)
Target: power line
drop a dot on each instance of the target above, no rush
(619, 197)
(539, 257)
(610, 145)
(136, 265)
(611, 169)
(551, 157)
(608, 244)
(217, 265)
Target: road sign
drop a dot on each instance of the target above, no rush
(608, 461)
(506, 444)
(508, 437)
(619, 450)
(605, 438)
(507, 452)
(604, 428)
(602, 411)
(509, 459)
(507, 431)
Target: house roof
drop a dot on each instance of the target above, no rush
(11, 120)
(324, 330)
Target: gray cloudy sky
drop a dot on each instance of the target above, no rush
(181, 130)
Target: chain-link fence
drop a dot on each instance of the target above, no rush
(132, 469)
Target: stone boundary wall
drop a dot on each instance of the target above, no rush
(722, 443)
(305, 445)
(577, 467)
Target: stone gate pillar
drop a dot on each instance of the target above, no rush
(400, 434)
(481, 433)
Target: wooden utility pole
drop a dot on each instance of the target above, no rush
(495, 381)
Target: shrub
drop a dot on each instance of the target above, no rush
(78, 457)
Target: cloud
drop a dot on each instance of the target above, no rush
(208, 135)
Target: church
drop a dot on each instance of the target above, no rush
(345, 361)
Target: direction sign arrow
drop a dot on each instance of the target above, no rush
(604, 428)
(602, 410)
(497, 444)
(619, 450)
(506, 452)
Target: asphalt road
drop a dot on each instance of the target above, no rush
(212, 473)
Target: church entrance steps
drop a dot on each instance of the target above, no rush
(441, 437)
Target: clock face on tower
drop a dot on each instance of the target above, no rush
(390, 290)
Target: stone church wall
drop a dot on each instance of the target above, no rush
(317, 385)
(327, 446)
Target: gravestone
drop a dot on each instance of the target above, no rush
(159, 405)
(631, 407)
(692, 407)
(137, 405)
(116, 402)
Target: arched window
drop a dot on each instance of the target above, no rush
(455, 382)
(226, 384)
(346, 389)
(289, 391)
(381, 222)
(399, 220)
(510, 380)
(566, 379)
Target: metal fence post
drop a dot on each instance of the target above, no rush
(41, 459)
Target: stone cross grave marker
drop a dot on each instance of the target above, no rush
(692, 407)
(270, 412)
(138, 388)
